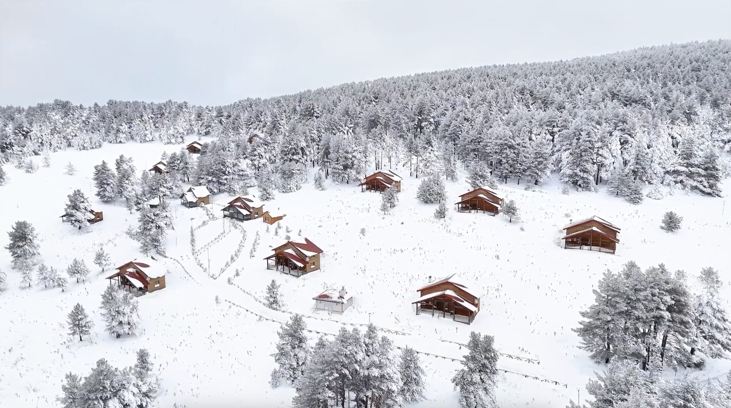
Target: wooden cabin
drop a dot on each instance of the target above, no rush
(381, 180)
(195, 197)
(295, 258)
(194, 147)
(594, 234)
(244, 208)
(480, 199)
(154, 202)
(141, 276)
(333, 301)
(271, 219)
(160, 167)
(448, 297)
(94, 217)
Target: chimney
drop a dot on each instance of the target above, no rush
(342, 293)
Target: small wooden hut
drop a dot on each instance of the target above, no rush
(195, 197)
(448, 297)
(271, 219)
(160, 167)
(244, 208)
(141, 276)
(194, 147)
(480, 199)
(381, 180)
(333, 301)
(295, 258)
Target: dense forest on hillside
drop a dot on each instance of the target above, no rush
(659, 115)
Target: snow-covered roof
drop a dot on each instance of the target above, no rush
(154, 201)
(152, 269)
(454, 280)
(597, 219)
(200, 191)
(294, 257)
(190, 197)
(392, 175)
(196, 143)
(451, 294)
(593, 229)
(135, 282)
(252, 202)
(332, 295)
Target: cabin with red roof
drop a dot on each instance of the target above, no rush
(244, 208)
(380, 181)
(194, 147)
(160, 167)
(295, 258)
(480, 199)
(141, 276)
(594, 234)
(448, 297)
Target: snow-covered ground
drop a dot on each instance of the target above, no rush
(213, 340)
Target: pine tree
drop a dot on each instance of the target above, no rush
(385, 208)
(450, 167)
(72, 392)
(390, 196)
(711, 323)
(79, 322)
(45, 276)
(412, 376)
(441, 211)
(126, 184)
(538, 165)
(46, 159)
(511, 210)
(102, 387)
(70, 169)
(671, 222)
(685, 392)
(23, 246)
(145, 380)
(30, 166)
(319, 181)
(273, 296)
(78, 210)
(102, 259)
(27, 278)
(152, 228)
(315, 386)
(292, 352)
(633, 194)
(119, 309)
(265, 181)
(615, 384)
(477, 380)
(711, 174)
(580, 169)
(479, 176)
(432, 190)
(3, 281)
(105, 181)
(78, 269)
(3, 176)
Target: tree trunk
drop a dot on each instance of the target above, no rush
(80, 339)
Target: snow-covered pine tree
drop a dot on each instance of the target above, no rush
(711, 323)
(152, 228)
(273, 296)
(615, 384)
(161, 185)
(380, 375)
(633, 194)
(119, 310)
(46, 159)
(441, 211)
(671, 221)
(79, 322)
(105, 181)
(30, 166)
(102, 259)
(580, 169)
(3, 176)
(640, 168)
(618, 183)
(72, 392)
(538, 165)
(511, 210)
(385, 208)
(293, 352)
(3, 281)
(412, 376)
(711, 174)
(78, 210)
(316, 385)
(686, 392)
(686, 173)
(23, 246)
(146, 382)
(266, 184)
(45, 276)
(126, 185)
(27, 278)
(390, 196)
(432, 190)
(480, 176)
(477, 379)
(70, 169)
(78, 269)
(102, 386)
(319, 181)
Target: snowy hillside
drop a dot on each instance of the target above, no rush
(213, 339)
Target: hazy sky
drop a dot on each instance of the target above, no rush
(214, 52)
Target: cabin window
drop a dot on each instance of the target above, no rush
(157, 284)
(312, 265)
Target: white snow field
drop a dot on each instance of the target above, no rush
(213, 340)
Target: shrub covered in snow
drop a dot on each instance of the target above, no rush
(432, 190)
(671, 221)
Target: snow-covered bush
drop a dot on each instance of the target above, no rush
(119, 310)
(432, 190)
(511, 210)
(30, 166)
(671, 221)
(70, 169)
(441, 211)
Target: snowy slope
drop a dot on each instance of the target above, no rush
(219, 352)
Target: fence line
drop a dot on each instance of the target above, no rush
(531, 377)
(506, 355)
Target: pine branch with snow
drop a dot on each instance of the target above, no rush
(79, 322)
